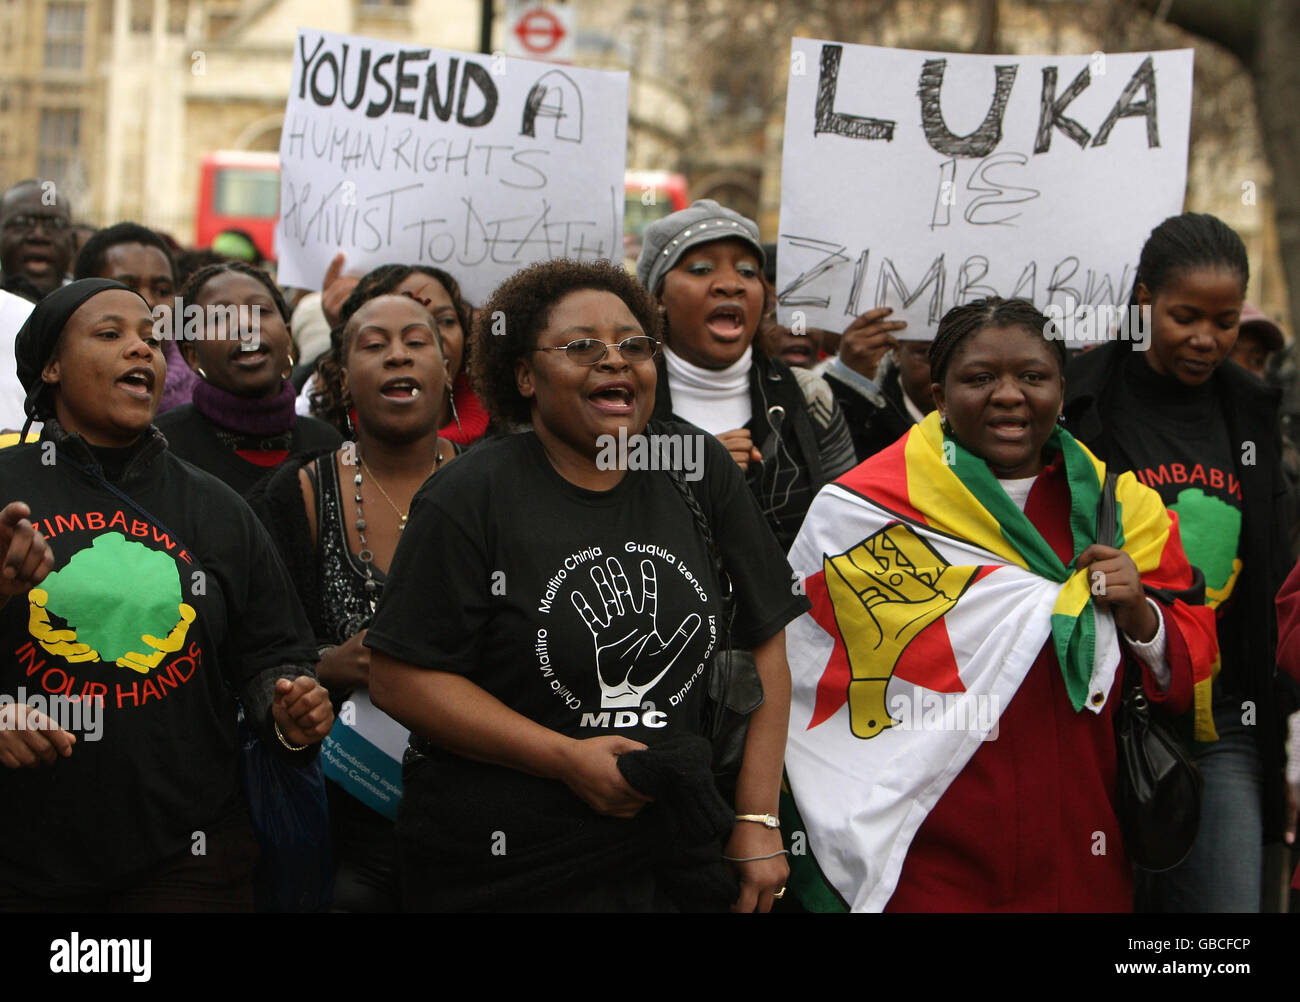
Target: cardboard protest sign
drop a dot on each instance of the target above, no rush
(922, 180)
(476, 164)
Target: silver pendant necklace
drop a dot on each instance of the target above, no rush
(366, 556)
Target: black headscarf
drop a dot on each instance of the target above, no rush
(39, 336)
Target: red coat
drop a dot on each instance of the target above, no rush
(1288, 641)
(1029, 824)
(1288, 624)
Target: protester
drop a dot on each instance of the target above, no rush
(1205, 435)
(798, 350)
(781, 425)
(147, 605)
(880, 408)
(35, 235)
(899, 554)
(337, 520)
(1258, 338)
(139, 258)
(462, 417)
(804, 347)
(81, 232)
(238, 245)
(242, 420)
(531, 549)
(191, 260)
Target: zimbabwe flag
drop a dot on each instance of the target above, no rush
(932, 595)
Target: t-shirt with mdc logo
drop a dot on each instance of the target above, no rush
(590, 612)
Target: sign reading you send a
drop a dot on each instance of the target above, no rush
(922, 180)
(476, 164)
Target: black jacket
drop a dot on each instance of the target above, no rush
(801, 432)
(193, 437)
(174, 589)
(875, 421)
(1248, 627)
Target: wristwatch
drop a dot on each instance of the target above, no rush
(766, 820)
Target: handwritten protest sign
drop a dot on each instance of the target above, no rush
(922, 180)
(475, 164)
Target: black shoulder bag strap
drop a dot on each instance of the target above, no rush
(1107, 515)
(734, 689)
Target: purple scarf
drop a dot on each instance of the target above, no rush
(179, 386)
(272, 416)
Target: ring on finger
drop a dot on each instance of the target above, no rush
(779, 895)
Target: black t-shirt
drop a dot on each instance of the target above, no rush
(153, 619)
(589, 612)
(1177, 442)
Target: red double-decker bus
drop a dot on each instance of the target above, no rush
(239, 191)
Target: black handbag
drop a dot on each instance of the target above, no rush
(1158, 788)
(734, 689)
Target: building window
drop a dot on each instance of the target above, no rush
(141, 15)
(60, 143)
(65, 33)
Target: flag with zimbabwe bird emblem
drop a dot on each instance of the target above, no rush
(932, 595)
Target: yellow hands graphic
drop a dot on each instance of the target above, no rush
(64, 643)
(59, 642)
(885, 591)
(169, 644)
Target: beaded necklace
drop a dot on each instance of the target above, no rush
(366, 557)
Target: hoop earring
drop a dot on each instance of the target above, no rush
(202, 375)
(347, 416)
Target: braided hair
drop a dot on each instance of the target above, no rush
(961, 322)
(195, 283)
(329, 399)
(1183, 243)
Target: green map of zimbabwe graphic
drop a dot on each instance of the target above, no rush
(1213, 545)
(121, 602)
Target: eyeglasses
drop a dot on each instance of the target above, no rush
(590, 350)
(27, 224)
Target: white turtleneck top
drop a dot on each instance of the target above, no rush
(716, 400)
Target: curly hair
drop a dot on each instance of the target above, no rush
(328, 398)
(961, 322)
(520, 309)
(195, 283)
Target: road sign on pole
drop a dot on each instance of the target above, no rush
(541, 31)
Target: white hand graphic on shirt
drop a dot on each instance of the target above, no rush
(631, 654)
